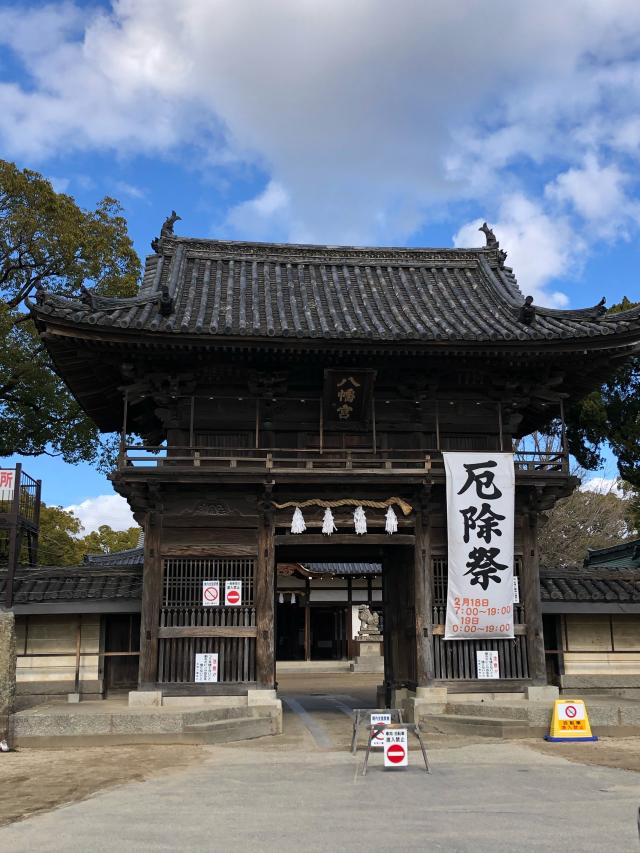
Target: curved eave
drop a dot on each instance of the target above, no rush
(49, 324)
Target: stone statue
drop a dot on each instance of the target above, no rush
(369, 622)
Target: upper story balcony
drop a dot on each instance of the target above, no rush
(304, 464)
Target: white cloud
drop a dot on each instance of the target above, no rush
(259, 215)
(539, 248)
(603, 486)
(131, 190)
(368, 117)
(598, 194)
(104, 509)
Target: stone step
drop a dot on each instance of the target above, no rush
(224, 731)
(60, 726)
(482, 726)
(502, 710)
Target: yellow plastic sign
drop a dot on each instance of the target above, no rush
(570, 721)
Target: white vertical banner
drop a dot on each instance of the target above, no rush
(480, 519)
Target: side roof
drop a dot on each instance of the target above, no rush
(212, 289)
(624, 555)
(50, 585)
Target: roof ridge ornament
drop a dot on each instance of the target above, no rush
(165, 231)
(527, 312)
(492, 242)
(490, 237)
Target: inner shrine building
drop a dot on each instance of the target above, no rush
(251, 382)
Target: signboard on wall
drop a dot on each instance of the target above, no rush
(206, 667)
(210, 593)
(233, 593)
(487, 664)
(480, 522)
(7, 483)
(347, 397)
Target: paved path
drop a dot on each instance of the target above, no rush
(303, 791)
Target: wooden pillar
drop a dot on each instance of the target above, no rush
(307, 621)
(423, 595)
(151, 598)
(265, 607)
(530, 583)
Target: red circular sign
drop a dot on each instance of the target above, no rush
(233, 596)
(211, 593)
(571, 711)
(395, 753)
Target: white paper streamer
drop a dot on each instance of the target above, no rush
(360, 520)
(328, 525)
(297, 522)
(391, 524)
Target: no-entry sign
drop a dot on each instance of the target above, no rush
(233, 593)
(210, 593)
(396, 751)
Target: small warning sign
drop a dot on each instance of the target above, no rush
(206, 667)
(210, 593)
(570, 721)
(487, 664)
(377, 739)
(396, 750)
(233, 593)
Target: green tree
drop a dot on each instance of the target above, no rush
(104, 540)
(610, 416)
(46, 240)
(58, 542)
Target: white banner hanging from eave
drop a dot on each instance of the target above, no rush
(480, 522)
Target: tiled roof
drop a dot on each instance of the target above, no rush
(622, 555)
(210, 288)
(343, 568)
(597, 586)
(73, 583)
(131, 557)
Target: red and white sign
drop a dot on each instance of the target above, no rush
(206, 667)
(570, 711)
(233, 593)
(378, 738)
(7, 483)
(210, 593)
(487, 664)
(396, 750)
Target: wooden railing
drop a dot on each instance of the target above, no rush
(301, 460)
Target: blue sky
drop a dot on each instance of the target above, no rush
(367, 122)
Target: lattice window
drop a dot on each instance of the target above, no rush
(182, 607)
(456, 659)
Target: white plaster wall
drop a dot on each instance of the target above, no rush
(591, 633)
(57, 633)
